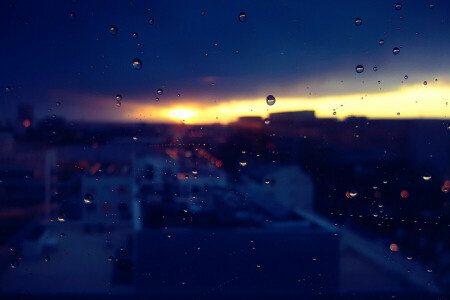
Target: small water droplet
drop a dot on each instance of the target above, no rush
(396, 51)
(159, 91)
(267, 181)
(270, 100)
(14, 264)
(137, 64)
(406, 77)
(431, 6)
(73, 16)
(157, 99)
(88, 198)
(359, 69)
(113, 30)
(242, 17)
(216, 44)
(47, 258)
(203, 13)
(398, 114)
(267, 121)
(134, 35)
(8, 88)
(381, 42)
(425, 82)
(135, 138)
(110, 258)
(398, 6)
(375, 68)
(351, 194)
(151, 21)
(358, 21)
(118, 104)
(426, 176)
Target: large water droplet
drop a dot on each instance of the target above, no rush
(159, 91)
(266, 181)
(113, 30)
(242, 17)
(425, 82)
(270, 100)
(88, 198)
(137, 64)
(398, 6)
(243, 163)
(351, 194)
(118, 97)
(406, 77)
(396, 51)
(195, 171)
(267, 121)
(358, 21)
(359, 69)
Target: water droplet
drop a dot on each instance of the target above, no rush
(58, 103)
(270, 100)
(267, 121)
(134, 35)
(62, 234)
(151, 21)
(334, 113)
(359, 69)
(110, 258)
(398, 114)
(137, 64)
(398, 6)
(216, 44)
(406, 77)
(431, 6)
(381, 42)
(266, 181)
(159, 91)
(88, 198)
(135, 138)
(351, 194)
(242, 17)
(14, 264)
(157, 99)
(379, 82)
(8, 88)
(404, 194)
(186, 176)
(426, 176)
(113, 30)
(358, 21)
(195, 171)
(62, 218)
(425, 82)
(375, 68)
(118, 104)
(203, 13)
(118, 97)
(47, 258)
(396, 51)
(73, 16)
(243, 163)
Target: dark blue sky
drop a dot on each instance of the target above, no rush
(46, 56)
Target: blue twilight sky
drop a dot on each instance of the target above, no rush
(287, 48)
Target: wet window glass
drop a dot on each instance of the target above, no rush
(220, 149)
